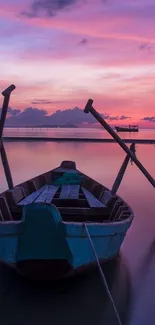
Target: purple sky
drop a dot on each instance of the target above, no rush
(67, 51)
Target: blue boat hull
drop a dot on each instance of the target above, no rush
(43, 246)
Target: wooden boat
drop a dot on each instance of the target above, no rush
(62, 220)
(130, 128)
(42, 231)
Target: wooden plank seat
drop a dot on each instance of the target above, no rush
(69, 192)
(47, 194)
(92, 200)
(44, 194)
(31, 198)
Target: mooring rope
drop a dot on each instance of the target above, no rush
(103, 276)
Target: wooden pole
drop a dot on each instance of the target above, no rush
(6, 167)
(6, 93)
(90, 108)
(122, 170)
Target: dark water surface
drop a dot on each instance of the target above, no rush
(82, 299)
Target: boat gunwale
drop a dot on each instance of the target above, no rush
(107, 222)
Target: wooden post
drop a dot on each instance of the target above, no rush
(90, 108)
(122, 170)
(6, 93)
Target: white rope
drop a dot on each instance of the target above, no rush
(103, 277)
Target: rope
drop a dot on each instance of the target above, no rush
(103, 277)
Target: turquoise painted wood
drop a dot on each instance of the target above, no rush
(9, 237)
(107, 240)
(41, 234)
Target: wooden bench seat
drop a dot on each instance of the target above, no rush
(69, 192)
(47, 194)
(92, 200)
(31, 198)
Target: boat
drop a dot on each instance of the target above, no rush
(62, 220)
(130, 128)
(42, 227)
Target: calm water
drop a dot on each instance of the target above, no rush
(77, 133)
(82, 300)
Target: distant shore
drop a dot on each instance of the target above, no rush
(49, 139)
(44, 126)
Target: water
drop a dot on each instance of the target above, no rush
(77, 133)
(83, 300)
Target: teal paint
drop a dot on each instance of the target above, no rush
(43, 236)
(9, 235)
(107, 240)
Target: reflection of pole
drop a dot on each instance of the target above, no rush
(90, 108)
(122, 171)
(6, 93)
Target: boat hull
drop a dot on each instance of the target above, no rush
(121, 129)
(74, 252)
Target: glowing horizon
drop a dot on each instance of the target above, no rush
(59, 56)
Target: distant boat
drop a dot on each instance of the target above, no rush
(130, 128)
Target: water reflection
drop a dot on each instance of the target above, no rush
(101, 162)
(77, 133)
(79, 300)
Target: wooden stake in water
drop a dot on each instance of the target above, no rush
(6, 93)
(122, 170)
(90, 108)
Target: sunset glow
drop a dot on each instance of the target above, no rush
(60, 53)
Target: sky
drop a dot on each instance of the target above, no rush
(60, 53)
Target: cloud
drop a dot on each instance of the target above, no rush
(149, 119)
(83, 41)
(48, 7)
(13, 112)
(29, 116)
(41, 101)
(145, 46)
(34, 116)
(119, 118)
(123, 117)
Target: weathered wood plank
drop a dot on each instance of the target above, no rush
(31, 198)
(92, 201)
(48, 194)
(51, 193)
(69, 192)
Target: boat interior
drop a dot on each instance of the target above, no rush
(86, 201)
